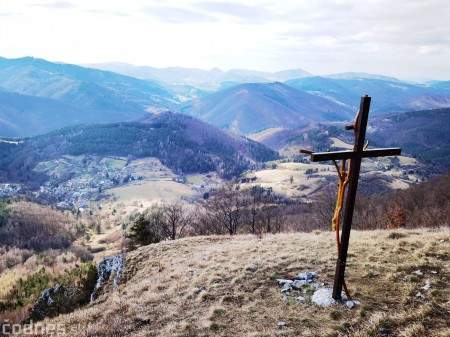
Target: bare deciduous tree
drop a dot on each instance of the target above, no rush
(176, 220)
(228, 208)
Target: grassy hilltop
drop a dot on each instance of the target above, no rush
(226, 286)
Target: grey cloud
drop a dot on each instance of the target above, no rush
(56, 5)
(237, 10)
(178, 15)
(387, 23)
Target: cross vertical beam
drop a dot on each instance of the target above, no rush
(354, 169)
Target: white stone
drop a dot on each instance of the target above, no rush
(417, 272)
(300, 299)
(324, 297)
(350, 304)
(282, 282)
(309, 275)
(282, 324)
(297, 284)
(286, 290)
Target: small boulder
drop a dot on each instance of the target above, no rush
(297, 284)
(427, 285)
(324, 297)
(309, 275)
(283, 282)
(350, 304)
(286, 290)
(300, 300)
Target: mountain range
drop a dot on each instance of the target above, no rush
(389, 95)
(203, 79)
(38, 96)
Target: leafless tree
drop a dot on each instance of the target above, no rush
(176, 220)
(228, 208)
(271, 218)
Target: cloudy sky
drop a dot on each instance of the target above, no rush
(401, 38)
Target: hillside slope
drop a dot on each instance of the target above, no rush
(114, 97)
(180, 142)
(422, 134)
(226, 286)
(24, 115)
(248, 108)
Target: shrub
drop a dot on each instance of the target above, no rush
(82, 253)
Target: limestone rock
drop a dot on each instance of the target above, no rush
(110, 272)
(55, 301)
(417, 272)
(309, 275)
(283, 282)
(300, 300)
(324, 297)
(297, 284)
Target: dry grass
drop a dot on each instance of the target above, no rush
(260, 136)
(151, 190)
(162, 293)
(304, 186)
(279, 179)
(341, 144)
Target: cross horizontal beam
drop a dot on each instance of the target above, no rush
(339, 155)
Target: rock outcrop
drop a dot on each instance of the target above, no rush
(55, 301)
(110, 272)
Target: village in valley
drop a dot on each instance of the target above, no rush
(75, 181)
(83, 182)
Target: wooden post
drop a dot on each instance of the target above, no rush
(361, 126)
(354, 169)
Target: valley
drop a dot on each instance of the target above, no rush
(195, 180)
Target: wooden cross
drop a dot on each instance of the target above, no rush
(356, 156)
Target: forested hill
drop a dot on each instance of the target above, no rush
(421, 134)
(180, 142)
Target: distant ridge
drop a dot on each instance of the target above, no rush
(204, 79)
(387, 95)
(249, 108)
(359, 75)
